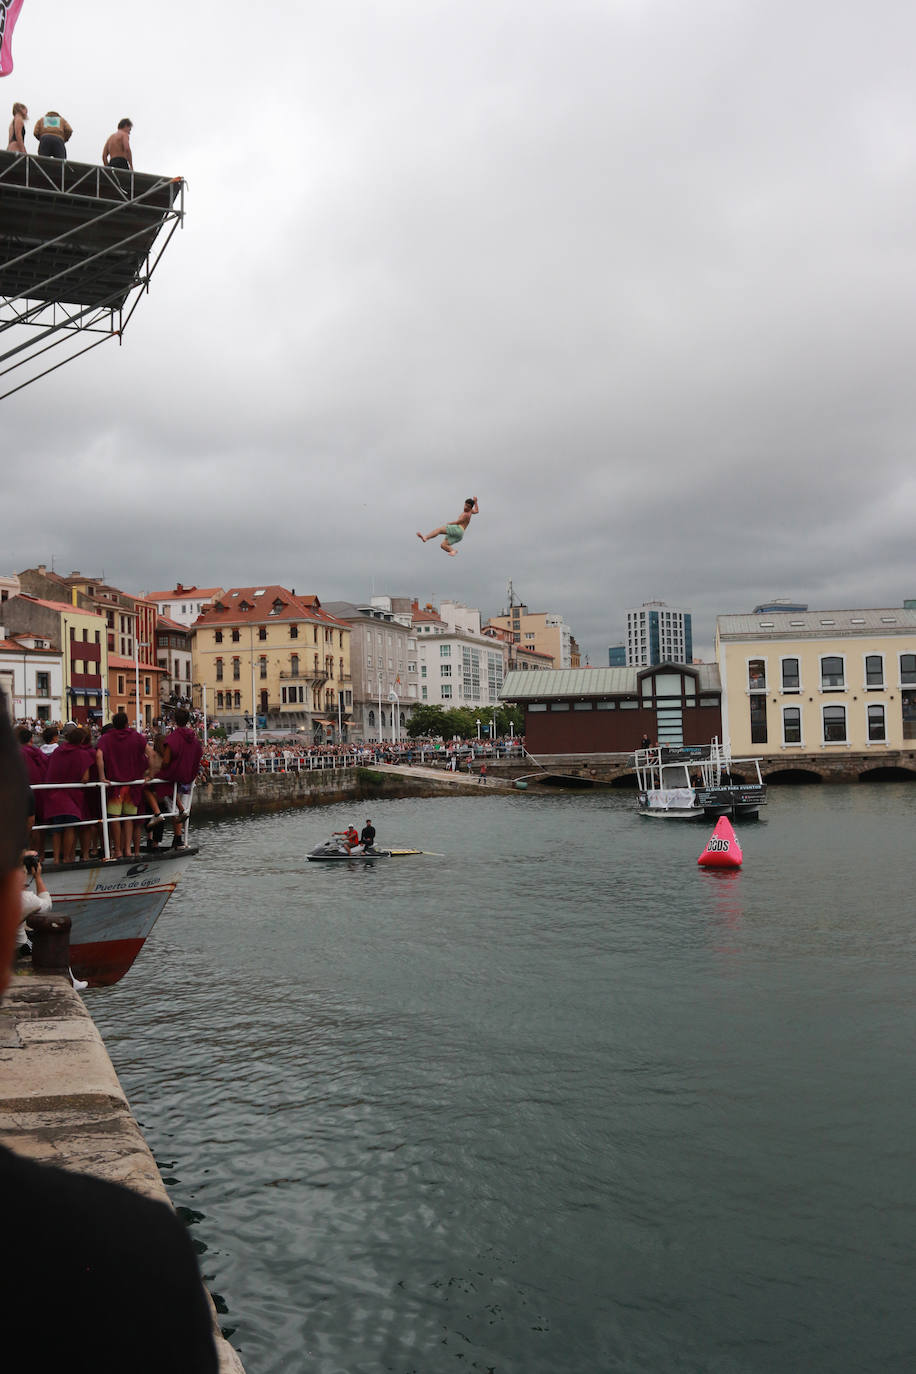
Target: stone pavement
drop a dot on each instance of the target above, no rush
(60, 1099)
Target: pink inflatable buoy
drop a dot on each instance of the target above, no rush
(722, 848)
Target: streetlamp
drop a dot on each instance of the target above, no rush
(393, 696)
(138, 645)
(478, 729)
(380, 739)
(254, 709)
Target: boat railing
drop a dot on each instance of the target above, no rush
(103, 819)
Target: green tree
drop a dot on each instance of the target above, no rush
(427, 720)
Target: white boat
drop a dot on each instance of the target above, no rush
(690, 781)
(113, 904)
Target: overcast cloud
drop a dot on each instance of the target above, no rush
(640, 276)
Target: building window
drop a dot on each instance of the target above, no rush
(294, 664)
(262, 632)
(874, 670)
(791, 679)
(908, 707)
(877, 731)
(120, 684)
(757, 675)
(262, 667)
(219, 670)
(236, 669)
(219, 701)
(146, 687)
(791, 725)
(218, 636)
(445, 670)
(446, 690)
(758, 720)
(908, 670)
(294, 631)
(235, 636)
(832, 674)
(43, 684)
(834, 724)
(238, 700)
(445, 650)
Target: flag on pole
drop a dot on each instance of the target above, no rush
(9, 13)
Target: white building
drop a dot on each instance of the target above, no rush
(458, 664)
(658, 633)
(184, 604)
(31, 677)
(174, 648)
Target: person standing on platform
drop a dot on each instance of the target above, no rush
(181, 755)
(123, 753)
(53, 133)
(16, 143)
(116, 152)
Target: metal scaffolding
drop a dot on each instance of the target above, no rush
(78, 246)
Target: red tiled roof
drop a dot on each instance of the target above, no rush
(177, 592)
(163, 620)
(115, 661)
(15, 644)
(59, 606)
(227, 610)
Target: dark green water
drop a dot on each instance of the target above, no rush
(557, 1101)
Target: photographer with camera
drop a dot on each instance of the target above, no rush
(32, 903)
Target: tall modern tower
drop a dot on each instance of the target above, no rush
(657, 633)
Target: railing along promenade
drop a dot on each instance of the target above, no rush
(230, 765)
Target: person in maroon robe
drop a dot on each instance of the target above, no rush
(64, 805)
(35, 765)
(181, 763)
(123, 754)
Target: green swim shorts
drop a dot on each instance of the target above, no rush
(454, 534)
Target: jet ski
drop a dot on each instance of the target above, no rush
(332, 851)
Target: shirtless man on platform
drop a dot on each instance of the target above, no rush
(116, 152)
(454, 533)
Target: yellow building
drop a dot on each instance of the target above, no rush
(266, 651)
(818, 681)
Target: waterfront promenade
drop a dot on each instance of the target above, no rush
(61, 1102)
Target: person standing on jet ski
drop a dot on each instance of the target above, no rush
(367, 838)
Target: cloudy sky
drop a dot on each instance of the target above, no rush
(639, 275)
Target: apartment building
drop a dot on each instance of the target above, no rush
(459, 664)
(383, 666)
(78, 636)
(183, 604)
(818, 681)
(658, 633)
(543, 631)
(265, 652)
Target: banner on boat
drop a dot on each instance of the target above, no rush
(9, 13)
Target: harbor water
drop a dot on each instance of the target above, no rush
(549, 1099)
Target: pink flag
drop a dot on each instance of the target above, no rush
(9, 13)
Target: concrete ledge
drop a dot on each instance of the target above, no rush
(61, 1102)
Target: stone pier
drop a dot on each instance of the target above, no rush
(61, 1102)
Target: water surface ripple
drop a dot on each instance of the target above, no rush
(556, 1101)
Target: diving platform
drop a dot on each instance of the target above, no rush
(78, 246)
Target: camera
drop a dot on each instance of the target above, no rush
(31, 863)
